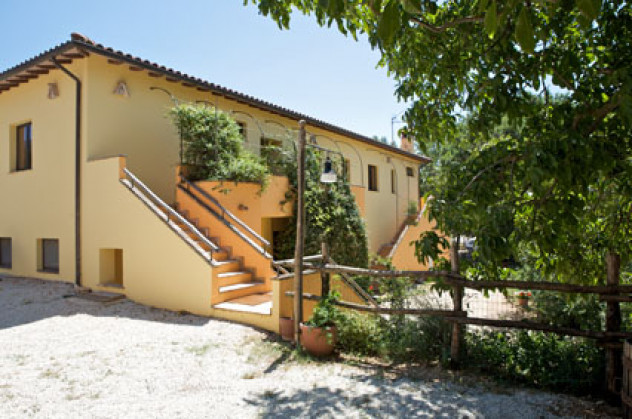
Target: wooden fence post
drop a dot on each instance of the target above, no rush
(457, 301)
(613, 324)
(324, 276)
(300, 235)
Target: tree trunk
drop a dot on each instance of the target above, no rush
(457, 300)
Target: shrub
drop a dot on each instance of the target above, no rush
(539, 359)
(213, 148)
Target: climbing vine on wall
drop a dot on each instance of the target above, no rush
(331, 214)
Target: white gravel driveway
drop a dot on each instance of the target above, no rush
(65, 357)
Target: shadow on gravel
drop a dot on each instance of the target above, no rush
(381, 398)
(25, 300)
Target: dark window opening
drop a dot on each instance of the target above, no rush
(23, 147)
(5, 253)
(393, 181)
(50, 255)
(372, 178)
(409, 172)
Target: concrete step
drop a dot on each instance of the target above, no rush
(228, 265)
(255, 303)
(235, 277)
(240, 286)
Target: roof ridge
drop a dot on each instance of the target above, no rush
(81, 40)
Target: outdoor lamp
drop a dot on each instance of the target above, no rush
(328, 176)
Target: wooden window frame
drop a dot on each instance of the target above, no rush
(373, 184)
(410, 172)
(22, 164)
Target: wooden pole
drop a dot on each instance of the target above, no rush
(457, 301)
(300, 235)
(324, 276)
(613, 324)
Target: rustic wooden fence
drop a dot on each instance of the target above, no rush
(613, 294)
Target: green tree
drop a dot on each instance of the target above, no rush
(521, 170)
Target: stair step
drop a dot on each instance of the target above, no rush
(235, 277)
(194, 235)
(240, 286)
(220, 255)
(254, 303)
(228, 265)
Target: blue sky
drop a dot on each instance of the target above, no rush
(309, 69)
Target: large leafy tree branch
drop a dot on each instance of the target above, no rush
(527, 108)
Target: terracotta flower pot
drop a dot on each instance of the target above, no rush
(286, 328)
(318, 341)
(523, 302)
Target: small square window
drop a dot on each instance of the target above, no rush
(23, 147)
(6, 256)
(409, 172)
(49, 255)
(372, 177)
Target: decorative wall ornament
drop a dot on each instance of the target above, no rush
(122, 89)
(53, 90)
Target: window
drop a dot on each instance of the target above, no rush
(23, 147)
(5, 253)
(243, 129)
(409, 172)
(347, 168)
(393, 181)
(372, 178)
(49, 259)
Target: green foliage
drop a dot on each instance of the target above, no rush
(524, 168)
(325, 312)
(331, 214)
(360, 334)
(213, 148)
(539, 359)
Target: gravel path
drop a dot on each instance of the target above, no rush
(61, 356)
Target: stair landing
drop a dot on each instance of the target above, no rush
(253, 303)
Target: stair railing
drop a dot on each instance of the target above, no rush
(263, 245)
(169, 213)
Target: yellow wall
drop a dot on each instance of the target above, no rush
(159, 268)
(137, 127)
(39, 203)
(402, 255)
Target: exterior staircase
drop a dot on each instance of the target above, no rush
(235, 287)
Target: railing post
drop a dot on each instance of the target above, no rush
(324, 276)
(457, 301)
(613, 324)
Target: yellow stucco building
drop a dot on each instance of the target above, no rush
(92, 194)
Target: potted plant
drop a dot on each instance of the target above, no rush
(523, 299)
(318, 334)
(411, 213)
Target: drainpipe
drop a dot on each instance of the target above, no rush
(77, 170)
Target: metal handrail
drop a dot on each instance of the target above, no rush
(136, 182)
(226, 213)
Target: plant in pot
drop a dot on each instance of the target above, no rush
(318, 334)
